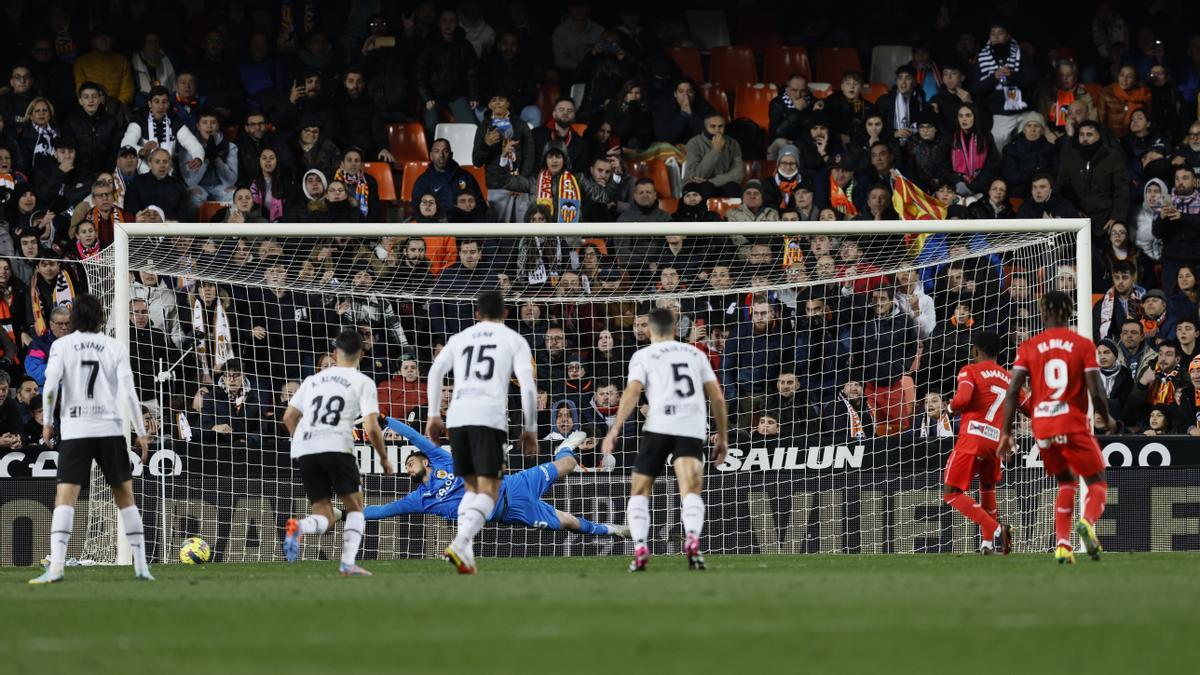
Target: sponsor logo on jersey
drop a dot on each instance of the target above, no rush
(1051, 409)
(977, 428)
(441, 473)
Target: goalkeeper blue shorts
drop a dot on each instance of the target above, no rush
(521, 499)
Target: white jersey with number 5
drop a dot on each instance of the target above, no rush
(93, 373)
(673, 375)
(483, 358)
(329, 402)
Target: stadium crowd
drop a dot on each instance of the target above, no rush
(308, 111)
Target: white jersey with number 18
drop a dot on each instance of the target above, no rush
(92, 371)
(673, 375)
(329, 403)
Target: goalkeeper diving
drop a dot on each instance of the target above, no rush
(439, 491)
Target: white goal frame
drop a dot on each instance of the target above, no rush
(124, 232)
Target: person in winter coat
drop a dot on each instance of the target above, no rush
(887, 340)
(1154, 195)
(229, 409)
(714, 160)
(693, 208)
(1003, 80)
(974, 161)
(444, 178)
(900, 106)
(1029, 153)
(926, 156)
(788, 112)
(754, 355)
(1043, 202)
(447, 73)
(155, 127)
(162, 303)
(1178, 226)
(1094, 177)
(94, 131)
(994, 204)
(1119, 100)
(159, 187)
(681, 116)
(753, 207)
(504, 147)
(359, 119)
(216, 177)
(1055, 102)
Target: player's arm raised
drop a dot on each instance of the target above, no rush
(1011, 398)
(435, 428)
(629, 401)
(375, 436)
(720, 414)
(523, 369)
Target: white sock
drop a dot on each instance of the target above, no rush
(314, 524)
(472, 519)
(637, 516)
(692, 512)
(60, 536)
(136, 536)
(352, 534)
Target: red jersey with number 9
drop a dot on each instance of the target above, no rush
(1056, 361)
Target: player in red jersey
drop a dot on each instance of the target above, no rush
(982, 385)
(1061, 367)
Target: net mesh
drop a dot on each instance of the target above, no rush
(836, 352)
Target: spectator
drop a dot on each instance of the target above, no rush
(927, 154)
(577, 386)
(879, 205)
(361, 184)
(263, 75)
(838, 189)
(787, 404)
(312, 150)
(994, 204)
(151, 67)
(1142, 138)
(974, 160)
(1119, 247)
(463, 279)
(1154, 195)
(161, 302)
(573, 39)
(1161, 420)
(753, 357)
(445, 177)
(39, 350)
(847, 418)
(106, 67)
(1043, 202)
(94, 131)
(913, 301)
(714, 160)
(788, 112)
(269, 184)
(52, 74)
(1119, 100)
(601, 190)
(13, 430)
(752, 207)
(359, 119)
(558, 189)
(1029, 153)
(628, 113)
(1187, 330)
(682, 116)
(156, 128)
(950, 348)
(217, 76)
(229, 410)
(507, 71)
(1095, 175)
(933, 422)
(1184, 300)
(447, 73)
(404, 392)
(159, 188)
(1189, 407)
(1118, 384)
(603, 71)
(1133, 351)
(1002, 79)
(37, 137)
(693, 208)
(881, 164)
(950, 94)
(1178, 226)
(1158, 383)
(887, 345)
(504, 147)
(217, 175)
(552, 360)
(1055, 102)
(255, 137)
(819, 149)
(900, 106)
(848, 110)
(150, 351)
(559, 133)
(20, 94)
(1158, 325)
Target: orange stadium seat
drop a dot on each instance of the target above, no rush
(478, 173)
(730, 67)
(753, 102)
(782, 62)
(382, 171)
(716, 97)
(688, 60)
(723, 206)
(833, 62)
(412, 171)
(656, 170)
(406, 141)
(547, 95)
(670, 205)
(209, 209)
(874, 90)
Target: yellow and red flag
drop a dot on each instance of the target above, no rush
(913, 203)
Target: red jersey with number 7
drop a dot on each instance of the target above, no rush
(978, 399)
(1056, 361)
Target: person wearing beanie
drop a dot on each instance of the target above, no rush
(753, 206)
(1118, 383)
(693, 208)
(779, 190)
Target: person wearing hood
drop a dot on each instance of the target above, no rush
(310, 189)
(1030, 152)
(840, 190)
(926, 156)
(693, 208)
(564, 422)
(313, 151)
(1095, 176)
(337, 206)
(444, 178)
(714, 160)
(1043, 202)
(1178, 226)
(1154, 196)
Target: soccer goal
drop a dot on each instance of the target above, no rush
(837, 345)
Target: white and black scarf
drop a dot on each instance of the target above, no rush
(44, 145)
(216, 346)
(161, 131)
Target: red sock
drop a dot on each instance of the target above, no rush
(971, 509)
(987, 499)
(1064, 513)
(1097, 496)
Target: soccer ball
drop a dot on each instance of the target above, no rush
(195, 551)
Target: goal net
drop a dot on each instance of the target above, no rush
(837, 346)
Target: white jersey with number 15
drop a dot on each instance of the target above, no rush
(673, 375)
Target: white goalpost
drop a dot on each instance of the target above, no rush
(842, 462)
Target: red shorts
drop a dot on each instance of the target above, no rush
(964, 466)
(1078, 452)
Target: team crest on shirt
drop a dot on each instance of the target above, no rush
(441, 473)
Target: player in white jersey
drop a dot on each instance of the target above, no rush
(88, 374)
(320, 418)
(483, 358)
(676, 378)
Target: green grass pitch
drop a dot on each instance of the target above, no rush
(745, 615)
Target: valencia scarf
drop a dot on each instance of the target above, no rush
(567, 207)
(217, 343)
(161, 132)
(856, 425)
(1108, 305)
(104, 226)
(787, 186)
(1165, 391)
(840, 199)
(44, 145)
(362, 191)
(64, 294)
(86, 252)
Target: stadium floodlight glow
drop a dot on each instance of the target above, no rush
(857, 511)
